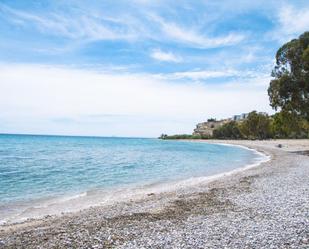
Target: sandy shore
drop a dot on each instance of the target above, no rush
(261, 207)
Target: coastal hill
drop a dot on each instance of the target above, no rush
(288, 93)
(253, 125)
(207, 128)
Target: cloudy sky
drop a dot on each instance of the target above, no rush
(138, 67)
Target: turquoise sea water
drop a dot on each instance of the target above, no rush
(34, 167)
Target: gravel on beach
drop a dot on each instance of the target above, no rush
(261, 207)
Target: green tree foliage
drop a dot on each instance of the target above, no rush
(182, 136)
(256, 126)
(289, 125)
(289, 91)
(228, 131)
(163, 136)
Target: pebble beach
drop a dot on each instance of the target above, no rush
(266, 206)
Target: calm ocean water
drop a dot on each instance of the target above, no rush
(34, 167)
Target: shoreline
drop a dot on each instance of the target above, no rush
(43, 207)
(270, 195)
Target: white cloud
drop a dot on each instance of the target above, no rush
(90, 26)
(191, 36)
(200, 75)
(32, 97)
(84, 26)
(165, 56)
(294, 20)
(291, 23)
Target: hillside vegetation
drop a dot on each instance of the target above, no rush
(289, 95)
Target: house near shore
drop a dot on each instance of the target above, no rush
(240, 117)
(207, 128)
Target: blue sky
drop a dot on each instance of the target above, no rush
(139, 67)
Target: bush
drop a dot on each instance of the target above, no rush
(283, 124)
(228, 131)
(289, 125)
(183, 136)
(256, 126)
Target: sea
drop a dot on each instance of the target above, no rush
(45, 175)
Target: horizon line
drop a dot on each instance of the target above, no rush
(62, 135)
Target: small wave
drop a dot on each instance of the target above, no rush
(108, 186)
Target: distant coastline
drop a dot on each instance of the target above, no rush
(249, 126)
(44, 175)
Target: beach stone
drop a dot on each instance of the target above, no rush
(262, 207)
(305, 241)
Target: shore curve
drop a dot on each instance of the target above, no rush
(261, 207)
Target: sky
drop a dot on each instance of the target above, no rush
(137, 68)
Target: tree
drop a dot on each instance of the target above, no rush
(256, 126)
(284, 124)
(229, 130)
(163, 136)
(289, 90)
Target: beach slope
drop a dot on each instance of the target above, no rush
(261, 207)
